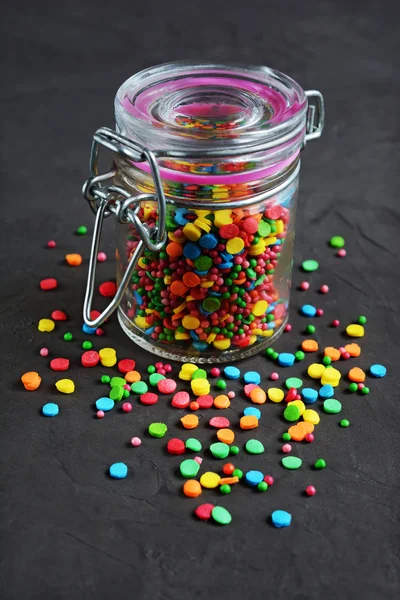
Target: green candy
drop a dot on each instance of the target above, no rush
(219, 450)
(154, 379)
(116, 381)
(337, 241)
(262, 486)
(362, 320)
(86, 345)
(332, 406)
(309, 265)
(221, 515)
(254, 447)
(291, 462)
(221, 384)
(293, 382)
(199, 374)
(237, 473)
(326, 361)
(264, 228)
(234, 450)
(286, 436)
(158, 430)
(82, 230)
(344, 423)
(151, 369)
(105, 379)
(310, 329)
(211, 304)
(189, 468)
(193, 444)
(292, 413)
(68, 336)
(225, 489)
(269, 352)
(126, 394)
(320, 464)
(353, 387)
(139, 387)
(203, 263)
(365, 390)
(299, 355)
(116, 393)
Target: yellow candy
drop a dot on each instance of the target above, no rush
(252, 340)
(167, 279)
(223, 344)
(257, 248)
(316, 370)
(267, 333)
(141, 263)
(235, 245)
(206, 284)
(270, 241)
(355, 330)
(181, 336)
(202, 225)
(142, 323)
(210, 480)
(211, 337)
(192, 232)
(222, 217)
(200, 387)
(260, 308)
(108, 357)
(46, 325)
(257, 331)
(300, 405)
(190, 322)
(174, 238)
(275, 394)
(189, 368)
(65, 386)
(179, 308)
(279, 226)
(331, 376)
(311, 416)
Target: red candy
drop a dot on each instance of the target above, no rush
(335, 323)
(127, 407)
(108, 289)
(59, 315)
(310, 490)
(181, 400)
(215, 372)
(51, 244)
(175, 446)
(48, 284)
(269, 479)
(248, 388)
(166, 386)
(205, 401)
(204, 511)
(59, 364)
(126, 365)
(148, 398)
(90, 358)
(250, 225)
(228, 468)
(309, 437)
(229, 231)
(274, 212)
(291, 395)
(219, 422)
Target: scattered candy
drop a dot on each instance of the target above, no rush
(50, 409)
(324, 289)
(254, 447)
(190, 421)
(175, 446)
(46, 325)
(332, 406)
(48, 284)
(291, 462)
(355, 330)
(104, 404)
(310, 490)
(189, 468)
(219, 450)
(307, 310)
(281, 518)
(304, 285)
(344, 423)
(320, 464)
(44, 352)
(127, 407)
(51, 244)
(342, 253)
(157, 430)
(118, 470)
(108, 289)
(65, 386)
(203, 512)
(101, 256)
(377, 370)
(136, 441)
(221, 515)
(74, 260)
(210, 480)
(192, 488)
(90, 358)
(193, 444)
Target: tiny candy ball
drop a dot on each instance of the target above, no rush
(310, 490)
(231, 394)
(215, 372)
(136, 441)
(319, 312)
(44, 351)
(86, 345)
(82, 230)
(286, 448)
(262, 486)
(228, 468)
(310, 329)
(221, 384)
(288, 327)
(362, 320)
(68, 336)
(324, 289)
(337, 241)
(225, 489)
(344, 423)
(51, 244)
(365, 390)
(100, 414)
(194, 405)
(102, 257)
(304, 285)
(335, 323)
(99, 331)
(127, 407)
(269, 479)
(309, 437)
(234, 450)
(341, 253)
(286, 436)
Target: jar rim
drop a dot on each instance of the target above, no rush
(216, 109)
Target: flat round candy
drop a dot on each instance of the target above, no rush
(175, 446)
(332, 406)
(155, 378)
(252, 411)
(118, 470)
(148, 398)
(355, 330)
(117, 382)
(59, 364)
(126, 365)
(253, 478)
(203, 511)
(65, 386)
(293, 382)
(189, 468)
(309, 265)
(90, 358)
(166, 386)
(193, 444)
(157, 430)
(308, 310)
(275, 394)
(59, 315)
(309, 395)
(219, 450)
(104, 404)
(117, 393)
(48, 284)
(228, 232)
(221, 515)
(281, 518)
(377, 370)
(291, 462)
(231, 372)
(219, 422)
(252, 377)
(286, 359)
(50, 409)
(337, 241)
(180, 400)
(254, 447)
(326, 391)
(210, 480)
(139, 387)
(205, 401)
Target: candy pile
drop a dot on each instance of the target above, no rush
(195, 389)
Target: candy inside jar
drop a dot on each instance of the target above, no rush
(217, 185)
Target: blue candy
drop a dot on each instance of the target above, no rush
(377, 370)
(191, 251)
(252, 377)
(179, 217)
(286, 359)
(271, 325)
(208, 241)
(253, 478)
(118, 470)
(88, 330)
(308, 310)
(50, 409)
(201, 346)
(281, 518)
(252, 411)
(104, 404)
(309, 395)
(232, 372)
(326, 391)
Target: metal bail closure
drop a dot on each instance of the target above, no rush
(315, 115)
(107, 199)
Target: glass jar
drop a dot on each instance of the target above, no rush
(204, 184)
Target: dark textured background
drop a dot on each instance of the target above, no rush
(67, 530)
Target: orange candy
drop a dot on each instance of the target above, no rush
(333, 353)
(248, 422)
(356, 374)
(258, 395)
(194, 405)
(309, 346)
(297, 433)
(192, 488)
(222, 401)
(74, 260)
(31, 380)
(174, 249)
(191, 279)
(353, 349)
(132, 376)
(190, 421)
(226, 436)
(306, 426)
(178, 288)
(228, 480)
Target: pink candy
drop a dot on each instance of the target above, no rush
(304, 285)
(44, 351)
(136, 441)
(274, 376)
(102, 256)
